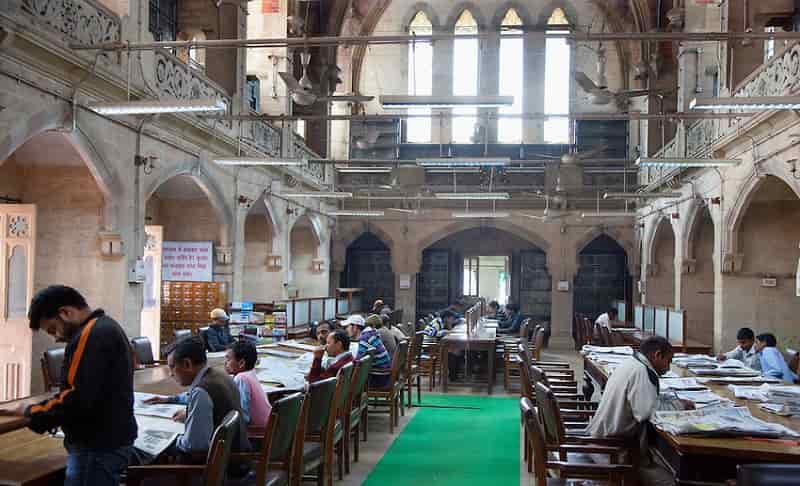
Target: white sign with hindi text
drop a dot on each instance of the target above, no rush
(187, 261)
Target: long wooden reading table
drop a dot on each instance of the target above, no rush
(31, 459)
(479, 338)
(715, 459)
(634, 337)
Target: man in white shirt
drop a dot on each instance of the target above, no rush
(607, 318)
(629, 400)
(745, 351)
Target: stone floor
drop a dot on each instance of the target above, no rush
(380, 440)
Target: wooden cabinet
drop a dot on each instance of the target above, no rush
(187, 305)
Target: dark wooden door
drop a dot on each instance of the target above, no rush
(601, 279)
(433, 284)
(535, 285)
(372, 271)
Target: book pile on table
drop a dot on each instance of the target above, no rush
(719, 421)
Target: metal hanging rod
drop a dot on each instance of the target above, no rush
(594, 163)
(323, 41)
(691, 115)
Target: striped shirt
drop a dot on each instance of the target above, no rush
(435, 328)
(370, 343)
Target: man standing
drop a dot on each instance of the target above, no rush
(219, 334)
(606, 319)
(630, 398)
(94, 407)
(338, 350)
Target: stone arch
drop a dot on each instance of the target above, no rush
(660, 288)
(546, 11)
(425, 8)
(458, 9)
(589, 236)
(694, 220)
(655, 232)
(344, 239)
(739, 209)
(523, 12)
(56, 117)
(194, 170)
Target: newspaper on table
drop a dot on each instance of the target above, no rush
(156, 434)
(693, 360)
(163, 410)
(701, 397)
(784, 409)
(670, 374)
(606, 358)
(741, 380)
(750, 392)
(680, 384)
(777, 394)
(289, 373)
(300, 346)
(725, 372)
(623, 350)
(719, 421)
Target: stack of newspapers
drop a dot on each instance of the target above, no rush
(719, 421)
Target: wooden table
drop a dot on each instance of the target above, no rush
(483, 339)
(635, 338)
(715, 459)
(31, 459)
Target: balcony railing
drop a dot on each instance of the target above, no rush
(315, 170)
(79, 21)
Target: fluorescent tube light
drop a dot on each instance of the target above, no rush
(479, 214)
(641, 195)
(483, 196)
(257, 161)
(747, 103)
(454, 170)
(685, 162)
(608, 214)
(364, 214)
(364, 170)
(148, 107)
(406, 101)
(524, 170)
(464, 162)
(330, 195)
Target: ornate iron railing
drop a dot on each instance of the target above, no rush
(80, 21)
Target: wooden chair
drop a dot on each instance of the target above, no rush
(52, 362)
(536, 347)
(273, 460)
(143, 353)
(341, 401)
(413, 367)
(320, 414)
(391, 397)
(613, 474)
(213, 472)
(508, 349)
(429, 361)
(357, 407)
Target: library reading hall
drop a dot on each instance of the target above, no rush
(399, 242)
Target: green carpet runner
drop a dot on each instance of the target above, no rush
(455, 441)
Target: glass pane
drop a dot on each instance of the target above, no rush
(465, 76)
(556, 90)
(420, 78)
(17, 291)
(509, 130)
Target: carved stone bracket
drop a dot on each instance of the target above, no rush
(110, 245)
(318, 265)
(732, 262)
(274, 263)
(224, 254)
(688, 266)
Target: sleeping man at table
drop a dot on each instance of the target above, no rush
(745, 351)
(630, 398)
(211, 395)
(772, 362)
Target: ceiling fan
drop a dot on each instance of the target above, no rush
(599, 94)
(304, 92)
(546, 215)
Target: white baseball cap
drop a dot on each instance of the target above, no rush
(356, 320)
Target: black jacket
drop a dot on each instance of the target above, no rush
(94, 407)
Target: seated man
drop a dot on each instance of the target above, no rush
(494, 311)
(218, 336)
(240, 362)
(512, 322)
(772, 362)
(439, 326)
(629, 400)
(370, 343)
(211, 395)
(323, 329)
(745, 351)
(338, 350)
(387, 337)
(607, 318)
(386, 316)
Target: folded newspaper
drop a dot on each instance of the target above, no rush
(734, 372)
(163, 410)
(741, 380)
(156, 434)
(701, 397)
(784, 409)
(693, 360)
(680, 384)
(624, 350)
(719, 421)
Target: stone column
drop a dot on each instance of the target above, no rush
(442, 84)
(533, 99)
(240, 218)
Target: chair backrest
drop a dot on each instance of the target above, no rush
(399, 361)
(415, 350)
(52, 362)
(345, 381)
(524, 328)
(616, 338)
(276, 447)
(535, 439)
(538, 343)
(605, 336)
(588, 330)
(203, 332)
(181, 334)
(320, 396)
(219, 453)
(767, 474)
(550, 414)
(360, 378)
(143, 350)
(526, 384)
